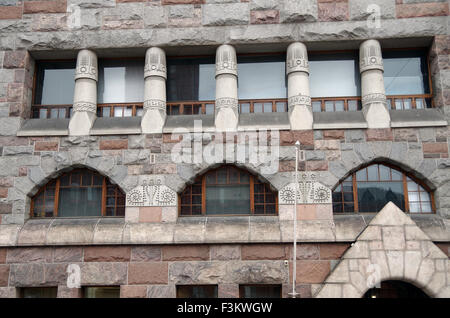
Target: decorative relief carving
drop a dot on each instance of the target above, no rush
(155, 104)
(226, 102)
(86, 65)
(85, 107)
(297, 65)
(373, 98)
(297, 58)
(155, 63)
(370, 57)
(226, 62)
(299, 99)
(152, 193)
(310, 191)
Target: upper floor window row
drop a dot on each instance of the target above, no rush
(335, 83)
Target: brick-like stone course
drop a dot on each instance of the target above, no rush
(107, 254)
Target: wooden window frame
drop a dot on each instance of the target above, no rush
(405, 190)
(253, 180)
(104, 186)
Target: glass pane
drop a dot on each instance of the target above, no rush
(80, 202)
(102, 292)
(174, 110)
(389, 104)
(281, 107)
(120, 81)
(398, 104)
(139, 111)
(62, 113)
(339, 105)
(197, 109)
(54, 113)
(407, 103)
(187, 110)
(128, 112)
(265, 291)
(372, 173)
(373, 196)
(337, 196)
(385, 173)
(245, 108)
(209, 109)
(425, 196)
(267, 107)
(349, 207)
(414, 207)
(42, 113)
(106, 111)
(405, 72)
(55, 83)
(197, 291)
(426, 207)
(352, 105)
(233, 199)
(39, 292)
(222, 176)
(334, 75)
(412, 186)
(64, 180)
(118, 111)
(413, 197)
(317, 107)
(361, 175)
(396, 176)
(337, 207)
(419, 103)
(191, 79)
(329, 106)
(262, 77)
(257, 107)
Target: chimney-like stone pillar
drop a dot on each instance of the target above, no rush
(226, 110)
(372, 85)
(299, 99)
(84, 111)
(155, 75)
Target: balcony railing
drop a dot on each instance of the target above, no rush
(51, 111)
(400, 102)
(322, 104)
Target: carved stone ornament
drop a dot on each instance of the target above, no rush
(297, 58)
(155, 104)
(155, 63)
(297, 100)
(373, 98)
(370, 57)
(226, 102)
(85, 107)
(152, 193)
(310, 191)
(86, 65)
(226, 61)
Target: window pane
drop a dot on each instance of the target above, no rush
(334, 75)
(426, 207)
(80, 202)
(361, 175)
(102, 292)
(372, 173)
(120, 81)
(405, 72)
(373, 196)
(191, 79)
(55, 83)
(263, 291)
(385, 173)
(197, 291)
(39, 292)
(262, 77)
(228, 199)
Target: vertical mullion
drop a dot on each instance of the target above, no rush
(405, 193)
(103, 196)
(355, 193)
(252, 196)
(203, 195)
(56, 203)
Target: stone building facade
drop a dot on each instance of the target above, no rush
(153, 249)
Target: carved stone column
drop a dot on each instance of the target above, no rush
(372, 85)
(226, 111)
(155, 75)
(299, 99)
(85, 94)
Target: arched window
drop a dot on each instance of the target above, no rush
(369, 189)
(228, 190)
(80, 192)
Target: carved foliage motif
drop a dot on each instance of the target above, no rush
(373, 98)
(299, 100)
(309, 191)
(155, 104)
(152, 193)
(85, 107)
(226, 102)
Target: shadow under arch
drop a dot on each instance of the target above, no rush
(397, 288)
(400, 166)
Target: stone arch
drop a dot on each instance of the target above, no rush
(392, 247)
(402, 166)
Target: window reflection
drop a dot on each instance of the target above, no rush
(121, 81)
(262, 77)
(405, 73)
(191, 79)
(55, 83)
(334, 75)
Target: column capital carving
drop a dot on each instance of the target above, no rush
(226, 102)
(155, 63)
(297, 58)
(370, 57)
(86, 65)
(226, 60)
(81, 106)
(373, 98)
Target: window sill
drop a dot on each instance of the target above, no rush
(44, 127)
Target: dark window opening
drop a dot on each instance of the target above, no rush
(260, 291)
(101, 292)
(197, 291)
(395, 289)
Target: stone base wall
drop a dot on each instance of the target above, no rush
(154, 271)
